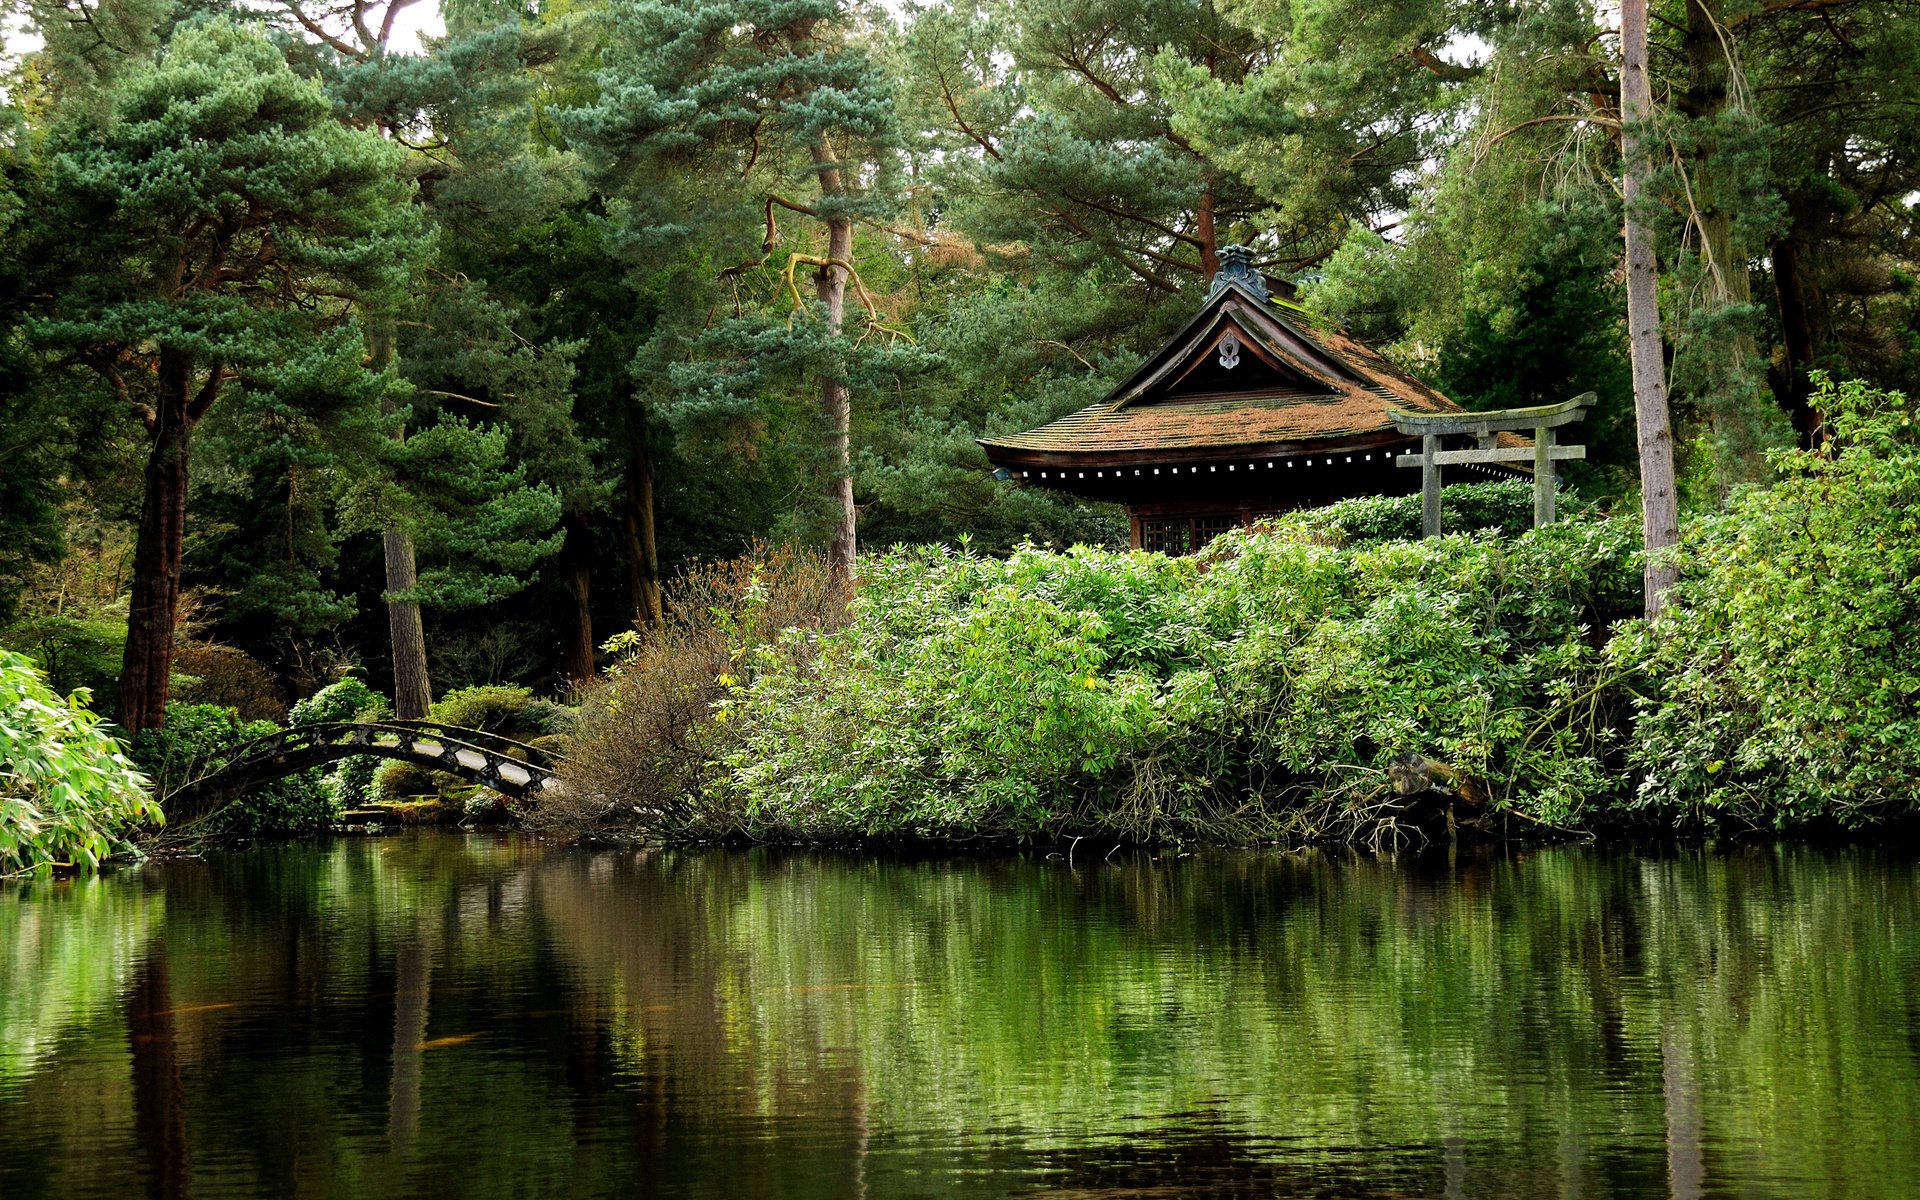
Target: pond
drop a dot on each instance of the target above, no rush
(448, 1015)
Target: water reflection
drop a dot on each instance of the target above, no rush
(445, 1016)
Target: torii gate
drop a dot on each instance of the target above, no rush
(1431, 427)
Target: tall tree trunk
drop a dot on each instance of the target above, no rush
(147, 663)
(1659, 504)
(1797, 297)
(412, 693)
(643, 555)
(1203, 229)
(830, 284)
(406, 635)
(578, 550)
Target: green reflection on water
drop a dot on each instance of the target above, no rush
(452, 1016)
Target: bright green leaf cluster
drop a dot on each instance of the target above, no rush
(69, 797)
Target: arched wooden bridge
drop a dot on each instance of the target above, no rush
(506, 766)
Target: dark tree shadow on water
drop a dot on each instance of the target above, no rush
(159, 1101)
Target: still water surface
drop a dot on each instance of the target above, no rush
(443, 1015)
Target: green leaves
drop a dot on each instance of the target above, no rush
(228, 211)
(480, 526)
(1048, 695)
(1784, 689)
(69, 796)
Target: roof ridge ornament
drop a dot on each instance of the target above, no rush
(1236, 266)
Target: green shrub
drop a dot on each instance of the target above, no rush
(350, 699)
(296, 806)
(503, 709)
(1269, 686)
(1784, 686)
(394, 779)
(1505, 507)
(1132, 695)
(198, 739)
(350, 783)
(75, 650)
(67, 793)
(647, 738)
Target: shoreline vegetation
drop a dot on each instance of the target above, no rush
(1328, 677)
(1322, 679)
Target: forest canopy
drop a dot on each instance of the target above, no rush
(321, 351)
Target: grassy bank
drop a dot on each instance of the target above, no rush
(1307, 681)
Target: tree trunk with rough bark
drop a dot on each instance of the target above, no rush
(406, 635)
(147, 663)
(643, 554)
(830, 285)
(580, 646)
(412, 693)
(1659, 502)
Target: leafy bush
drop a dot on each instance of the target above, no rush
(1138, 696)
(67, 793)
(351, 782)
(198, 739)
(75, 651)
(647, 739)
(1505, 507)
(349, 699)
(1274, 685)
(1785, 686)
(502, 709)
(228, 678)
(393, 779)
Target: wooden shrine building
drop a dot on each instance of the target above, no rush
(1253, 408)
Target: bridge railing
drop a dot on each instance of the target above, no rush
(490, 759)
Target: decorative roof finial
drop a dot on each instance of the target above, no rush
(1236, 266)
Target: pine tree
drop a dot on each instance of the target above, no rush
(234, 227)
(752, 97)
(463, 110)
(1660, 521)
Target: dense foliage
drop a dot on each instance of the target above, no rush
(68, 795)
(1100, 693)
(432, 358)
(1273, 686)
(562, 302)
(1786, 688)
(198, 739)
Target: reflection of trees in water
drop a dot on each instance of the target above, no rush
(1612, 1015)
(159, 1102)
(464, 1017)
(717, 1098)
(68, 949)
(413, 975)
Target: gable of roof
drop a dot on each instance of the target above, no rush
(1294, 385)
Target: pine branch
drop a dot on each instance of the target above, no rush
(874, 323)
(313, 27)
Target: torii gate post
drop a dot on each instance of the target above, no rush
(1485, 426)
